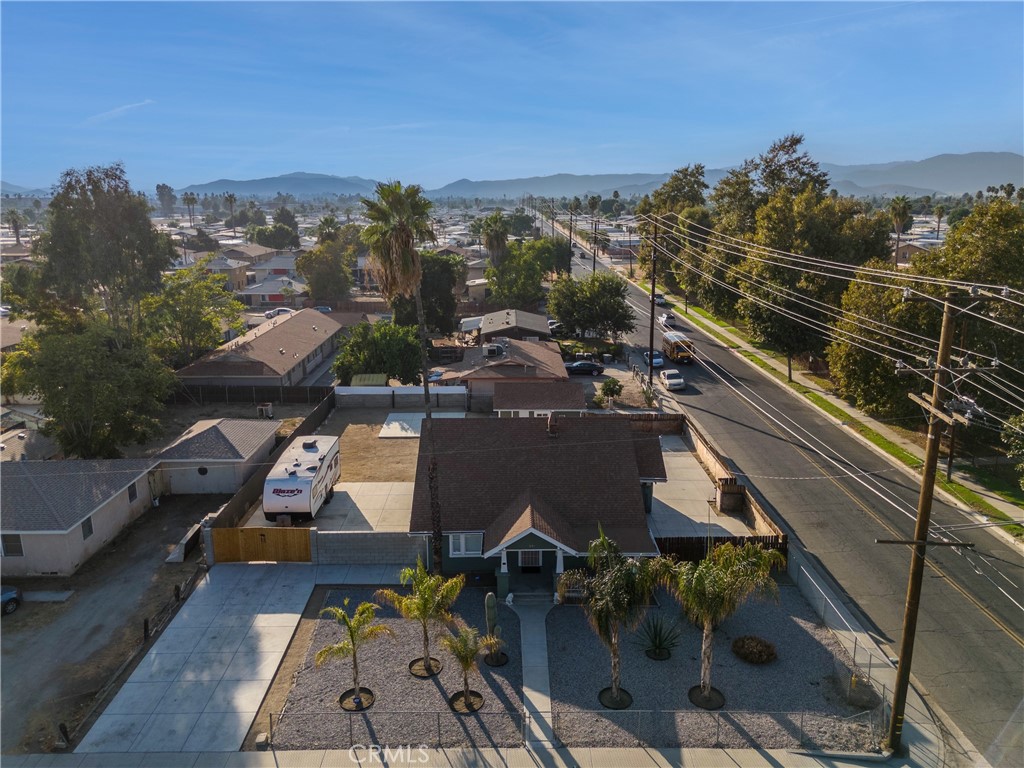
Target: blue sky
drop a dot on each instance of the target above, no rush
(429, 93)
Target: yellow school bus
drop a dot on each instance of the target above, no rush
(677, 347)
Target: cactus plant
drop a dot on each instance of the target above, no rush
(491, 609)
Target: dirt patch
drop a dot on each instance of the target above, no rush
(364, 456)
(57, 657)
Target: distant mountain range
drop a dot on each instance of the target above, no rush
(942, 174)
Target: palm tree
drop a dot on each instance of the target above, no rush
(14, 219)
(327, 229)
(939, 211)
(429, 602)
(190, 199)
(360, 629)
(712, 590)
(465, 646)
(899, 211)
(229, 200)
(495, 234)
(616, 590)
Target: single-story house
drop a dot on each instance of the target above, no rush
(280, 352)
(508, 360)
(57, 514)
(514, 324)
(274, 291)
(281, 264)
(523, 498)
(217, 455)
(539, 398)
(250, 253)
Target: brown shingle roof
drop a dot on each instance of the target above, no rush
(502, 476)
(531, 395)
(521, 359)
(258, 352)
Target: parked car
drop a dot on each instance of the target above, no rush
(659, 361)
(278, 311)
(325, 309)
(10, 598)
(584, 368)
(5, 310)
(554, 327)
(672, 379)
(659, 299)
(667, 319)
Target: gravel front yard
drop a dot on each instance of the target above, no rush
(407, 710)
(799, 699)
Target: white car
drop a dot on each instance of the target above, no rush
(672, 379)
(270, 313)
(658, 362)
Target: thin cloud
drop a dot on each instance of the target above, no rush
(104, 117)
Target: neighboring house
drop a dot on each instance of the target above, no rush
(233, 271)
(13, 251)
(280, 352)
(279, 265)
(478, 290)
(509, 360)
(514, 324)
(523, 498)
(217, 455)
(27, 445)
(57, 514)
(250, 253)
(475, 269)
(908, 249)
(538, 398)
(12, 331)
(276, 291)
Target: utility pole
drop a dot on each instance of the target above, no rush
(654, 291)
(924, 510)
(593, 244)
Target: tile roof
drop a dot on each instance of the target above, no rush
(258, 351)
(55, 496)
(499, 322)
(221, 439)
(504, 476)
(531, 395)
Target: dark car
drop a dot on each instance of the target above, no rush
(584, 368)
(10, 598)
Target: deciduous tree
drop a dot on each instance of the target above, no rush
(327, 269)
(379, 348)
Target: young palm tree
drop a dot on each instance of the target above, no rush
(229, 200)
(616, 591)
(899, 210)
(429, 602)
(713, 589)
(327, 229)
(495, 234)
(359, 629)
(465, 646)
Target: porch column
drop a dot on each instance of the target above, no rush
(559, 564)
(504, 561)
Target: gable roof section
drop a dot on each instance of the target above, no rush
(521, 359)
(220, 440)
(258, 352)
(55, 496)
(529, 395)
(497, 322)
(506, 476)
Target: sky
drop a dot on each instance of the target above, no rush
(430, 92)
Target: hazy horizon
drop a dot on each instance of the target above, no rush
(188, 93)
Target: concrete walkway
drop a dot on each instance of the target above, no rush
(533, 635)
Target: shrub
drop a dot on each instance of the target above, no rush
(755, 650)
(600, 400)
(611, 388)
(657, 636)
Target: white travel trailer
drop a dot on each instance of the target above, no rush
(303, 479)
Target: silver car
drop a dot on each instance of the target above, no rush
(672, 379)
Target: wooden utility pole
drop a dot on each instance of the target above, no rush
(654, 292)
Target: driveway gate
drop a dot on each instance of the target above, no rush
(241, 545)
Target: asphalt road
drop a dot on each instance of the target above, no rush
(838, 496)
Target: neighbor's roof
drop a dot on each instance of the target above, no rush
(55, 496)
(274, 284)
(530, 395)
(519, 360)
(370, 380)
(507, 476)
(27, 445)
(249, 249)
(270, 349)
(498, 322)
(221, 440)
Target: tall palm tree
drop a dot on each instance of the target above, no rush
(229, 200)
(939, 211)
(360, 628)
(328, 228)
(899, 211)
(190, 199)
(615, 590)
(465, 646)
(713, 589)
(495, 231)
(13, 218)
(430, 602)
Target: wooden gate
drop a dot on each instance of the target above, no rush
(243, 545)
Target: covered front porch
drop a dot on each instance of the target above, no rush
(531, 565)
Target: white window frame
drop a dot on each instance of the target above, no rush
(531, 552)
(457, 544)
(12, 538)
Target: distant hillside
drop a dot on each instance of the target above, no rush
(847, 188)
(298, 184)
(947, 174)
(559, 185)
(14, 189)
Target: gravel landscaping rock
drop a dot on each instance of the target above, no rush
(797, 700)
(407, 710)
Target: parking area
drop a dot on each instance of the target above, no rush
(358, 507)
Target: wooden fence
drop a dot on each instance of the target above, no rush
(243, 545)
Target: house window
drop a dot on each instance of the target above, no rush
(87, 528)
(133, 492)
(529, 558)
(11, 544)
(465, 544)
